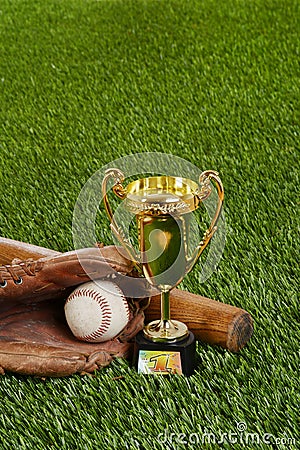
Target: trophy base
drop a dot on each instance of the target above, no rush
(157, 358)
(168, 331)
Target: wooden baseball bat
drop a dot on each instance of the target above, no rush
(211, 321)
(10, 249)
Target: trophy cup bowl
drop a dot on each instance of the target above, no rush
(163, 207)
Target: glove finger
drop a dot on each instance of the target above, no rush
(49, 277)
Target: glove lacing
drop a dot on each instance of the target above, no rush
(17, 270)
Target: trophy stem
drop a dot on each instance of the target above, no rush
(165, 329)
(165, 306)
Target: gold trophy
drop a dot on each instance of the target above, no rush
(163, 207)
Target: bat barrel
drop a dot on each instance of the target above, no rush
(212, 322)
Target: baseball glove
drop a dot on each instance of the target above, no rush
(34, 283)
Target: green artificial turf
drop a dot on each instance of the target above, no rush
(84, 82)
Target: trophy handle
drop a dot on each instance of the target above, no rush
(120, 192)
(204, 180)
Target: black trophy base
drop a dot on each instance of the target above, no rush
(165, 358)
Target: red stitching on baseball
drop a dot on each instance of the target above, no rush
(124, 301)
(105, 308)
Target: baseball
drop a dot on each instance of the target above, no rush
(97, 312)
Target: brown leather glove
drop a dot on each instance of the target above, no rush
(50, 276)
(34, 336)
